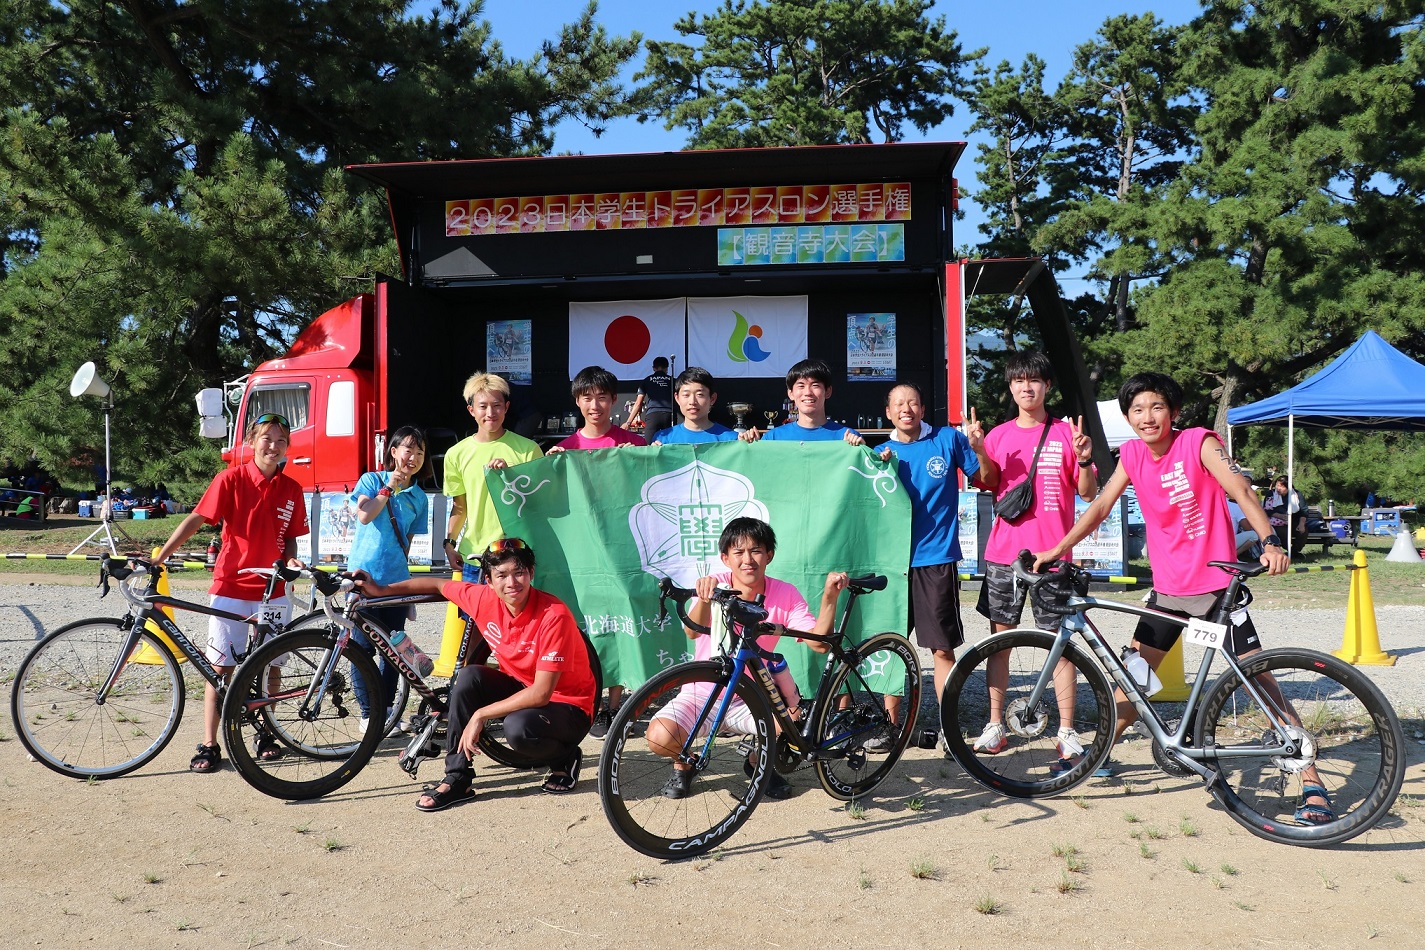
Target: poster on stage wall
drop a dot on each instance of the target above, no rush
(508, 350)
(870, 346)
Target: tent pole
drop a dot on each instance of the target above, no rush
(1290, 475)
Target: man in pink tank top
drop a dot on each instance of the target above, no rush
(1183, 479)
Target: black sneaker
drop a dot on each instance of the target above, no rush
(602, 720)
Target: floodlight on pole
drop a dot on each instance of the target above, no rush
(86, 382)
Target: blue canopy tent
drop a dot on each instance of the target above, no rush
(1370, 386)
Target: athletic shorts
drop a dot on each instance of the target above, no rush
(228, 638)
(935, 606)
(1002, 599)
(684, 708)
(1161, 635)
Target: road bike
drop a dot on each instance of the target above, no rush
(1274, 723)
(309, 704)
(853, 730)
(99, 698)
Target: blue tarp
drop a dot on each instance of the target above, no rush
(1370, 386)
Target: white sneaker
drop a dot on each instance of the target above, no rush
(993, 740)
(362, 723)
(1069, 743)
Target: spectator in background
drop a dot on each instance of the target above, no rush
(654, 400)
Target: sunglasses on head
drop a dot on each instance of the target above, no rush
(505, 544)
(276, 417)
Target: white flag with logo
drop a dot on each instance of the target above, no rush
(623, 336)
(747, 336)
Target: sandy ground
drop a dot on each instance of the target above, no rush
(167, 858)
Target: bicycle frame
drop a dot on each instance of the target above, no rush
(794, 730)
(144, 610)
(1172, 742)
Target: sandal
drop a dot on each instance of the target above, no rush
(268, 749)
(562, 778)
(1310, 814)
(208, 759)
(439, 801)
(678, 786)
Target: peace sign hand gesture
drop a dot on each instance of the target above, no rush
(1083, 445)
(975, 432)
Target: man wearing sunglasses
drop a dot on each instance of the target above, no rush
(543, 689)
(263, 514)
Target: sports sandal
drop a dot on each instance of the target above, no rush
(562, 778)
(268, 749)
(440, 801)
(1310, 814)
(208, 759)
(993, 740)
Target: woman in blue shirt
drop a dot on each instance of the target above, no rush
(390, 508)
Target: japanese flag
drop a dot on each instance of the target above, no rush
(623, 336)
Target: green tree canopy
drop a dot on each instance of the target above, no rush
(804, 72)
(171, 194)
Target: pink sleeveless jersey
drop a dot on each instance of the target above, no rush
(1185, 513)
(1052, 514)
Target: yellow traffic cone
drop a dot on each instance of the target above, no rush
(1170, 672)
(1361, 644)
(146, 653)
(449, 641)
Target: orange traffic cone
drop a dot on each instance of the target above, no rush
(1361, 644)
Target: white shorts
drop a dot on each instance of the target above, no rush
(228, 638)
(684, 708)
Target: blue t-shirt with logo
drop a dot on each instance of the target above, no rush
(681, 435)
(375, 549)
(791, 432)
(927, 468)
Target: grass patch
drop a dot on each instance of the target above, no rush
(1065, 850)
(925, 871)
(1326, 882)
(152, 878)
(1067, 884)
(916, 804)
(1131, 818)
(856, 811)
(1146, 852)
(987, 905)
(332, 844)
(1229, 870)
(1191, 866)
(863, 881)
(1186, 828)
(641, 879)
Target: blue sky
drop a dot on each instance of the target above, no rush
(1045, 27)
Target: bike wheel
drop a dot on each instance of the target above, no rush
(722, 793)
(396, 707)
(1027, 761)
(318, 749)
(1348, 732)
(492, 738)
(55, 706)
(867, 715)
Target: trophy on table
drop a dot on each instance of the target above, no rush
(771, 417)
(740, 409)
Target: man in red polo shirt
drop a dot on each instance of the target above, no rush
(263, 515)
(543, 689)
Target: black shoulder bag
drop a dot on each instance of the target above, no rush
(1019, 499)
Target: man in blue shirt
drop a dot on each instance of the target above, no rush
(808, 388)
(928, 460)
(696, 397)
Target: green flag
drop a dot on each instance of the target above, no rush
(607, 525)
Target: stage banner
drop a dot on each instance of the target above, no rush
(607, 526)
(734, 337)
(623, 336)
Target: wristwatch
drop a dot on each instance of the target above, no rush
(448, 543)
(1271, 540)
(384, 492)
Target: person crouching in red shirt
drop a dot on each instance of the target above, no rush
(543, 689)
